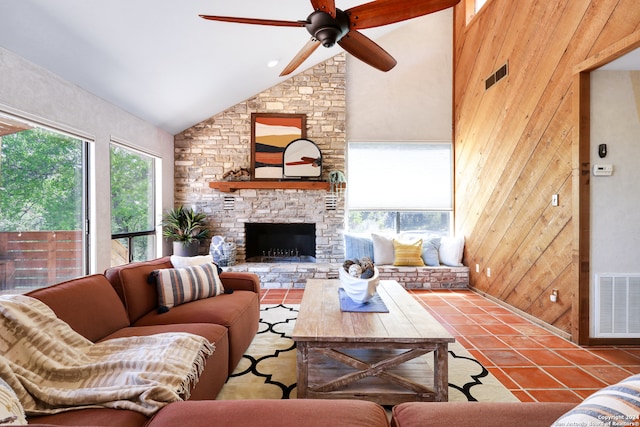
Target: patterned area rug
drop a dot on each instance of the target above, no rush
(268, 370)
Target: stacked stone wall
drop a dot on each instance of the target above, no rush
(204, 152)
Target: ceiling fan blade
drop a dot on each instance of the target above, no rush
(304, 53)
(272, 22)
(328, 6)
(366, 50)
(383, 12)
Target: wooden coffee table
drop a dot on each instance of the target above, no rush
(372, 356)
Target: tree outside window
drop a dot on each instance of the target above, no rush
(42, 207)
(133, 225)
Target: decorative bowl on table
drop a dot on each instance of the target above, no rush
(359, 290)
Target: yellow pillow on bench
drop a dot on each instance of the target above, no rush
(408, 254)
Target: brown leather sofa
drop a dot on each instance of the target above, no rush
(239, 312)
(121, 303)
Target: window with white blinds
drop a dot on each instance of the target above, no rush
(400, 186)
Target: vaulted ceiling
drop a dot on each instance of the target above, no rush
(157, 59)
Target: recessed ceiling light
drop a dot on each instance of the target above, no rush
(272, 63)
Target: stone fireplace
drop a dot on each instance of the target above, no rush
(316, 214)
(277, 242)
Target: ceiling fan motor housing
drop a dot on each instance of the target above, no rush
(327, 29)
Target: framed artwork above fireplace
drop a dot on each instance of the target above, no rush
(270, 135)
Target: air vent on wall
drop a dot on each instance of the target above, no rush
(229, 203)
(330, 201)
(494, 78)
(616, 299)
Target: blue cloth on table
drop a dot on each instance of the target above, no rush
(374, 305)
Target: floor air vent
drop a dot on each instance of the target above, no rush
(617, 298)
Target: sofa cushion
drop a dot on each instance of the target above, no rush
(476, 414)
(617, 404)
(281, 413)
(88, 304)
(130, 282)
(93, 417)
(409, 254)
(239, 312)
(180, 285)
(216, 368)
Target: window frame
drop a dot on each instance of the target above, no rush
(86, 143)
(399, 211)
(156, 228)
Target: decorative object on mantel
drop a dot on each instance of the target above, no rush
(239, 174)
(270, 135)
(302, 159)
(222, 252)
(337, 182)
(186, 228)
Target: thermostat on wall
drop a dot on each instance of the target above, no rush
(602, 170)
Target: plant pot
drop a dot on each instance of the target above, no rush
(186, 249)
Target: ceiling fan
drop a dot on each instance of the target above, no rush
(329, 25)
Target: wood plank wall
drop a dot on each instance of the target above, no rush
(513, 143)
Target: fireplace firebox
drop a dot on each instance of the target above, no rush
(276, 242)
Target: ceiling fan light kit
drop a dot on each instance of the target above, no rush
(329, 25)
(327, 29)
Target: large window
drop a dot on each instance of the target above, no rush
(133, 206)
(399, 186)
(43, 206)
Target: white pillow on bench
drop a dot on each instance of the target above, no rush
(451, 250)
(379, 247)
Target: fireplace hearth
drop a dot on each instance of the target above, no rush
(277, 242)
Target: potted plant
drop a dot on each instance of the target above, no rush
(186, 228)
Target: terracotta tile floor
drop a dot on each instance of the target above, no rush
(533, 363)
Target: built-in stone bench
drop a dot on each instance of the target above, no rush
(295, 275)
(441, 277)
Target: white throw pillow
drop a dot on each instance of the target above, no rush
(383, 252)
(190, 261)
(11, 411)
(451, 250)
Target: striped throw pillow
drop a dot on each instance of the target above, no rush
(409, 254)
(616, 405)
(179, 285)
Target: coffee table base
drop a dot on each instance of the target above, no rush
(387, 376)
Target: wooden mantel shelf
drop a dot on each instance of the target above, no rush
(231, 186)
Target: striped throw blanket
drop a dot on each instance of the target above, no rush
(52, 368)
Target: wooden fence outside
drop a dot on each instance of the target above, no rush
(33, 259)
